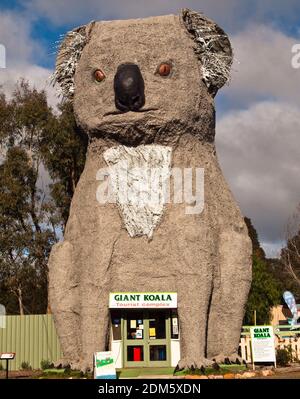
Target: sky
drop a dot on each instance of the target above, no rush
(258, 113)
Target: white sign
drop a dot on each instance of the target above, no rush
(139, 334)
(8, 356)
(162, 300)
(104, 365)
(263, 344)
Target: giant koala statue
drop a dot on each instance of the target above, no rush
(143, 92)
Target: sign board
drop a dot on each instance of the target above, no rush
(7, 356)
(140, 300)
(104, 366)
(263, 344)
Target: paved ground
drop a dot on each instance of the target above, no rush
(281, 373)
(285, 373)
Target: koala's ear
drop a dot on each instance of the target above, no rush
(69, 53)
(212, 47)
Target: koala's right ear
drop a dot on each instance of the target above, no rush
(68, 55)
(212, 48)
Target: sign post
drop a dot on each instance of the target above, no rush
(104, 366)
(263, 344)
(7, 356)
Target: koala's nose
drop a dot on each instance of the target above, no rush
(129, 88)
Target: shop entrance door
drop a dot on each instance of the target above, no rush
(147, 338)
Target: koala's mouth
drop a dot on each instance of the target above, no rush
(126, 112)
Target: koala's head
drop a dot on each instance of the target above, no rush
(145, 80)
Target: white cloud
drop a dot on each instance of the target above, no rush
(273, 249)
(15, 35)
(259, 153)
(21, 50)
(262, 67)
(258, 143)
(37, 76)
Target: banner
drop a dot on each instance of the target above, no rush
(290, 301)
(140, 300)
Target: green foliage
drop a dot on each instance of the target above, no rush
(25, 366)
(256, 248)
(46, 365)
(265, 290)
(264, 293)
(284, 356)
(35, 143)
(63, 149)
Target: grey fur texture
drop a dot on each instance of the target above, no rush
(212, 47)
(204, 257)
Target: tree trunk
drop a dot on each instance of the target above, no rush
(20, 300)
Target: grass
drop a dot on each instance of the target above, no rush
(224, 369)
(143, 371)
(139, 371)
(64, 373)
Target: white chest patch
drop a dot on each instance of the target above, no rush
(139, 178)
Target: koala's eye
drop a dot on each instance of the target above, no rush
(99, 75)
(164, 69)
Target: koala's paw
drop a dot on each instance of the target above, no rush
(62, 363)
(85, 366)
(228, 359)
(189, 363)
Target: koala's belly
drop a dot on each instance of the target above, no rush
(181, 247)
(182, 244)
(162, 263)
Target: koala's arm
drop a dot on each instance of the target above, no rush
(234, 271)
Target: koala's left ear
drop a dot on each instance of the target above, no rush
(212, 47)
(68, 55)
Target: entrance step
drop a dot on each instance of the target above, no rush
(145, 372)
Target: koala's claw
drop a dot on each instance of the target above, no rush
(228, 359)
(192, 364)
(62, 363)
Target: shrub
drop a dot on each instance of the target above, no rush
(46, 364)
(284, 356)
(25, 366)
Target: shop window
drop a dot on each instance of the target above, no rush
(157, 325)
(158, 352)
(135, 326)
(135, 353)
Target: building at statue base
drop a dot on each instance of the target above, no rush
(144, 329)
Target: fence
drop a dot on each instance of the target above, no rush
(33, 338)
(284, 338)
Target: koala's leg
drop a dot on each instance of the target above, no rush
(63, 294)
(230, 295)
(94, 327)
(95, 284)
(193, 292)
